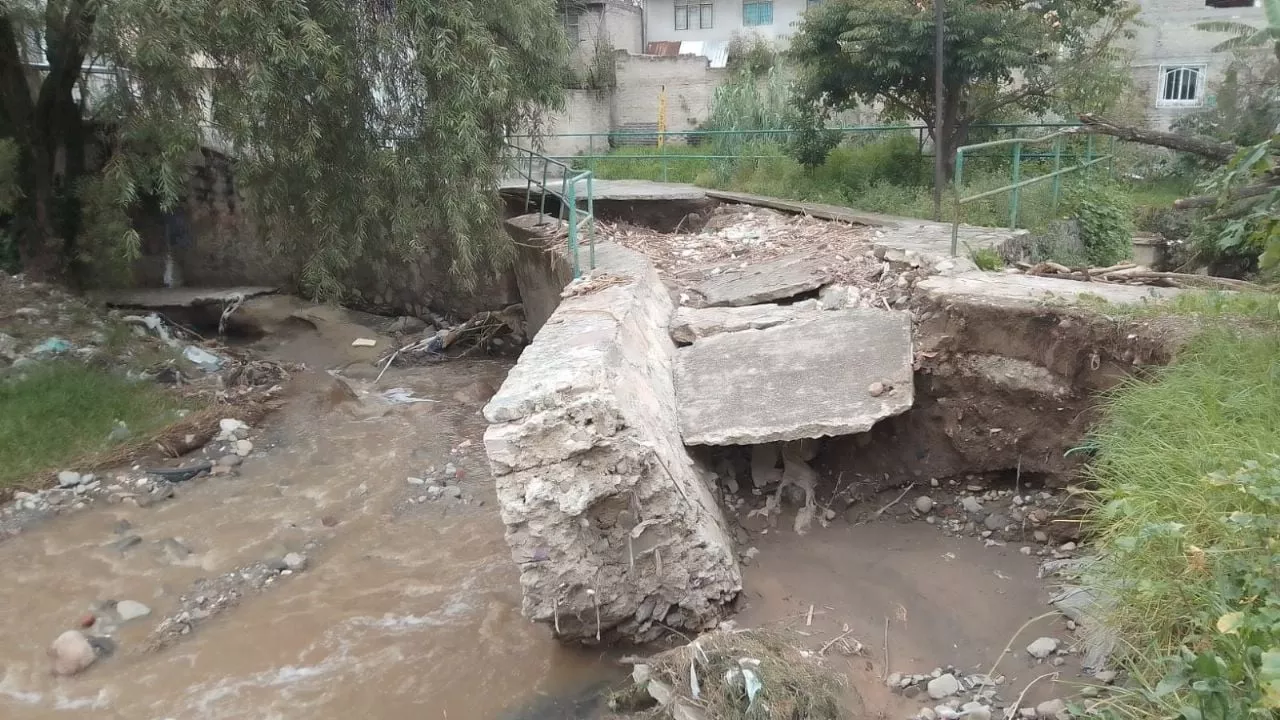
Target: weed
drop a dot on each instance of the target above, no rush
(986, 259)
(53, 413)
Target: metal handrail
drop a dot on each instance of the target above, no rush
(1016, 173)
(574, 217)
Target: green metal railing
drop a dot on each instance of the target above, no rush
(600, 144)
(545, 173)
(1017, 183)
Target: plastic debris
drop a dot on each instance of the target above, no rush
(403, 396)
(363, 342)
(202, 358)
(52, 346)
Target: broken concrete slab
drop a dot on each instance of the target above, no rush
(1017, 289)
(837, 374)
(691, 324)
(158, 298)
(614, 528)
(778, 279)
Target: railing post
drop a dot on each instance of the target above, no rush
(570, 199)
(957, 181)
(591, 212)
(528, 186)
(1057, 165)
(542, 205)
(1088, 148)
(591, 152)
(1017, 177)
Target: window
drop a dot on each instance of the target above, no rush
(1230, 3)
(572, 23)
(757, 13)
(693, 15)
(1181, 85)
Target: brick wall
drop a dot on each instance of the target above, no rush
(689, 82)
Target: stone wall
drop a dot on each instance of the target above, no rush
(611, 522)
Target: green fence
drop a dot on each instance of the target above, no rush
(729, 146)
(1058, 139)
(573, 189)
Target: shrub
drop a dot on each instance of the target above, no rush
(1104, 212)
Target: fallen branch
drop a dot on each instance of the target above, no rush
(1196, 145)
(1012, 710)
(896, 500)
(1207, 201)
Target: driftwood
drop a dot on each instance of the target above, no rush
(1131, 274)
(1207, 201)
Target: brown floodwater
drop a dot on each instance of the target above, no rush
(405, 610)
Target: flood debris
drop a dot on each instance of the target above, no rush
(736, 674)
(490, 331)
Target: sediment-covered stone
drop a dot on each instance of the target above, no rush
(613, 526)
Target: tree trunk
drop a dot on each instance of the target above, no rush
(1202, 146)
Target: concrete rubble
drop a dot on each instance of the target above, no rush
(612, 524)
(690, 324)
(778, 279)
(757, 386)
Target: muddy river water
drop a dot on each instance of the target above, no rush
(406, 610)
(411, 609)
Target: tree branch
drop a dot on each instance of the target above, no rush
(1204, 201)
(1202, 146)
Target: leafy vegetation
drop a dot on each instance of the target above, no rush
(1105, 217)
(54, 413)
(881, 52)
(1187, 516)
(360, 129)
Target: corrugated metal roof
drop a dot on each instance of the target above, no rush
(665, 48)
(691, 47)
(718, 53)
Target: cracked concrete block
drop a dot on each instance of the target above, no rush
(837, 374)
(613, 527)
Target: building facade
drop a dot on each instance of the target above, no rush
(1175, 69)
(715, 21)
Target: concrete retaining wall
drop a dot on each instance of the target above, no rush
(611, 522)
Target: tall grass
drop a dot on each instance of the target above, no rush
(1187, 519)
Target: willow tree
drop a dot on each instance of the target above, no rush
(358, 127)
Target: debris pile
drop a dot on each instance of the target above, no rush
(736, 674)
(1128, 273)
(491, 331)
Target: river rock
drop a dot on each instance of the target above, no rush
(975, 711)
(1105, 676)
(943, 686)
(131, 610)
(1052, 710)
(971, 504)
(243, 448)
(1042, 648)
(71, 653)
(453, 491)
(924, 504)
(230, 460)
(69, 479)
(295, 562)
(996, 521)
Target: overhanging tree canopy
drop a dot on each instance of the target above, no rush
(998, 55)
(359, 127)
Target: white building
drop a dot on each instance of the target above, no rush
(1175, 70)
(715, 21)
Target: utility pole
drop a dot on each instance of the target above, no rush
(939, 95)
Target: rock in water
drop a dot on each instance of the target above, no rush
(943, 686)
(1051, 709)
(69, 478)
(295, 562)
(924, 504)
(971, 504)
(71, 653)
(1042, 648)
(131, 610)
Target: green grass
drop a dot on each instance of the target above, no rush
(1261, 310)
(54, 413)
(1186, 518)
